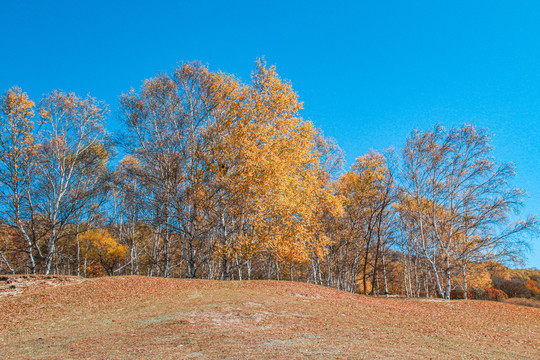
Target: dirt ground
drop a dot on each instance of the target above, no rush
(156, 318)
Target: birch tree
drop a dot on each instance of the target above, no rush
(71, 163)
(17, 165)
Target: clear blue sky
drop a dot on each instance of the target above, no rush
(368, 72)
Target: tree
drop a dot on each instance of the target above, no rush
(461, 200)
(52, 173)
(100, 247)
(169, 123)
(229, 170)
(367, 194)
(71, 163)
(17, 149)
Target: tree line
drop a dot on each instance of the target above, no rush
(221, 179)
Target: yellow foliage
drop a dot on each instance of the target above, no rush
(101, 247)
(265, 159)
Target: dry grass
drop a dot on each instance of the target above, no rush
(11, 285)
(139, 317)
(523, 302)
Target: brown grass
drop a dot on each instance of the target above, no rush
(523, 302)
(11, 285)
(143, 318)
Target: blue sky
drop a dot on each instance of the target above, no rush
(367, 72)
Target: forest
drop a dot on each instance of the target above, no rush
(214, 178)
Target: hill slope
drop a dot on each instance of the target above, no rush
(139, 317)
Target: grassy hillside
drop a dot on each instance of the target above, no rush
(139, 317)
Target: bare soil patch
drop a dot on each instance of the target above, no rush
(11, 285)
(155, 318)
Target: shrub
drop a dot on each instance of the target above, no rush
(459, 294)
(513, 288)
(495, 294)
(534, 288)
(478, 294)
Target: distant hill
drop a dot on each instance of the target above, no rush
(141, 317)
